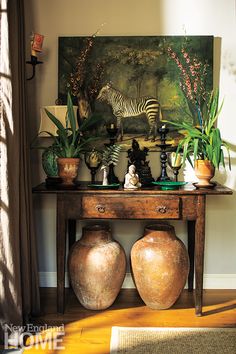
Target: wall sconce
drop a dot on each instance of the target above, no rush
(36, 46)
(34, 61)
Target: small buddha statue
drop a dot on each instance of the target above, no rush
(132, 179)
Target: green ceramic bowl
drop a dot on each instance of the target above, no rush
(169, 185)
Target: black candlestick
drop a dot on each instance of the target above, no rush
(93, 171)
(93, 161)
(163, 156)
(112, 131)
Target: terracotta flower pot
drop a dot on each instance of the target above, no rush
(97, 266)
(68, 169)
(160, 266)
(204, 171)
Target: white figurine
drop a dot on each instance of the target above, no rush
(105, 175)
(132, 179)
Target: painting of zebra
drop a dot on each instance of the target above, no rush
(124, 107)
(150, 78)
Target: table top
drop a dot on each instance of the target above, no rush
(84, 188)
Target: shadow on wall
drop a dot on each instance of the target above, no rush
(229, 63)
(223, 175)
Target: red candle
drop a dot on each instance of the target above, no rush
(36, 43)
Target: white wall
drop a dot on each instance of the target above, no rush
(151, 17)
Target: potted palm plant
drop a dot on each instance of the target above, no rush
(203, 143)
(70, 142)
(202, 140)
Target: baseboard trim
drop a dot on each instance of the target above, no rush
(210, 281)
(219, 281)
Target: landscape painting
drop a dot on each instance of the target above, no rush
(134, 83)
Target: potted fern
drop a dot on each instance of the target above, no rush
(203, 143)
(70, 142)
(110, 157)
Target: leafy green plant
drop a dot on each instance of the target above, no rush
(204, 142)
(70, 141)
(110, 155)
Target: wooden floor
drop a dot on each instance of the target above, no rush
(88, 332)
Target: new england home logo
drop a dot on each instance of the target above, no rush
(36, 336)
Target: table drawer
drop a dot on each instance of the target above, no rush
(160, 207)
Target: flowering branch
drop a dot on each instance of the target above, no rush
(192, 79)
(77, 79)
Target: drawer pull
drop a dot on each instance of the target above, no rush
(100, 208)
(162, 209)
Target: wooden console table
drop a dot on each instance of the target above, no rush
(186, 203)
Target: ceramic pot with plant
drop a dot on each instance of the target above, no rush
(204, 171)
(70, 142)
(204, 143)
(68, 169)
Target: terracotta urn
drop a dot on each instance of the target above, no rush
(97, 266)
(204, 171)
(160, 266)
(68, 169)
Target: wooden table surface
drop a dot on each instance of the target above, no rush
(188, 188)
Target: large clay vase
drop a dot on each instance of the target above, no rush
(97, 266)
(68, 170)
(160, 266)
(204, 171)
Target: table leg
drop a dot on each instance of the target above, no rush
(191, 247)
(71, 232)
(199, 252)
(61, 253)
(71, 235)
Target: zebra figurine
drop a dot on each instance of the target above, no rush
(123, 107)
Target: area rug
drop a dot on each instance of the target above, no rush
(136, 340)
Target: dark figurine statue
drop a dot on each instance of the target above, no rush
(137, 157)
